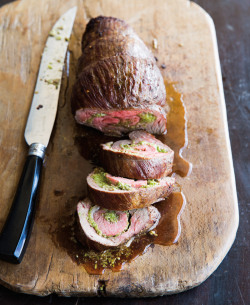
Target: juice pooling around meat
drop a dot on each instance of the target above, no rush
(176, 136)
(166, 233)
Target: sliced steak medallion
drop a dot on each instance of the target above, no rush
(117, 193)
(117, 73)
(141, 157)
(101, 229)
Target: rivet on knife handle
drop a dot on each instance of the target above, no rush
(16, 231)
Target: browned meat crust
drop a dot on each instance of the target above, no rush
(124, 164)
(86, 234)
(127, 200)
(120, 82)
(104, 26)
(135, 167)
(116, 70)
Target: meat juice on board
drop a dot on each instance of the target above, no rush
(176, 136)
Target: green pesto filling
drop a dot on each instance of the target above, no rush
(123, 186)
(101, 180)
(111, 216)
(161, 150)
(109, 257)
(130, 146)
(151, 182)
(96, 115)
(125, 146)
(126, 123)
(99, 176)
(147, 117)
(93, 223)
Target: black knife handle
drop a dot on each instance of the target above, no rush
(17, 228)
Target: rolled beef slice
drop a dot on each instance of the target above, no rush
(119, 87)
(121, 194)
(101, 228)
(140, 157)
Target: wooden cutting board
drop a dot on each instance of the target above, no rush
(187, 46)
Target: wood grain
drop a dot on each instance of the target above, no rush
(186, 44)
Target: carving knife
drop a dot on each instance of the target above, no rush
(17, 228)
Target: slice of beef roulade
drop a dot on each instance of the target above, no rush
(141, 157)
(119, 87)
(101, 228)
(121, 194)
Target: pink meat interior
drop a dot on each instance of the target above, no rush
(133, 183)
(111, 228)
(130, 119)
(141, 143)
(138, 183)
(141, 220)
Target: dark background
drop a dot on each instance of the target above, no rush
(229, 284)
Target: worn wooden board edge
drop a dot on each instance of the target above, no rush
(230, 242)
(224, 112)
(229, 150)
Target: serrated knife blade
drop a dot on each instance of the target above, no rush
(15, 234)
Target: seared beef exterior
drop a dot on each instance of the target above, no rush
(141, 157)
(102, 229)
(119, 88)
(121, 194)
